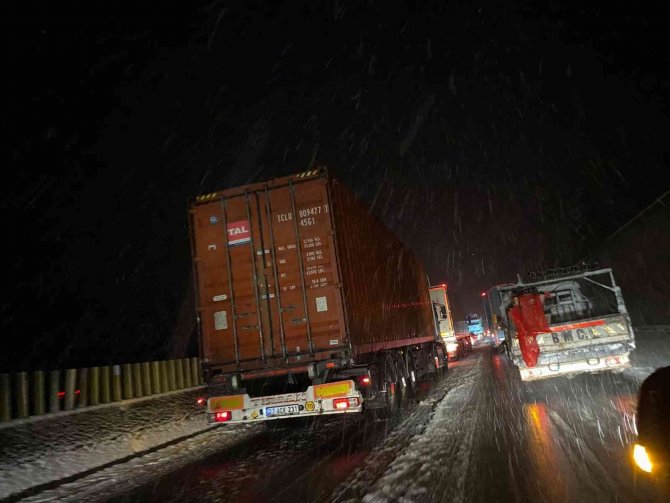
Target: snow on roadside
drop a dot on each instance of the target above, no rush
(33, 453)
(143, 469)
(424, 448)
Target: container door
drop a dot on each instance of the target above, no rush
(309, 312)
(248, 283)
(212, 259)
(267, 273)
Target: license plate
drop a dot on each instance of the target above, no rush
(283, 410)
(582, 334)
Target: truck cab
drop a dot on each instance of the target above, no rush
(444, 324)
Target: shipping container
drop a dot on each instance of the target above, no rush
(295, 272)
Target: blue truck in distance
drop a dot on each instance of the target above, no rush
(475, 325)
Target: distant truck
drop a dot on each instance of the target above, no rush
(307, 304)
(564, 321)
(463, 335)
(475, 325)
(444, 321)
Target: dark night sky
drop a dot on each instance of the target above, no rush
(492, 140)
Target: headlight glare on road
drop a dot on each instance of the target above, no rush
(642, 458)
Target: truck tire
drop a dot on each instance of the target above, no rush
(438, 372)
(411, 373)
(402, 385)
(390, 385)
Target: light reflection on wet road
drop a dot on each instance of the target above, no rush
(557, 440)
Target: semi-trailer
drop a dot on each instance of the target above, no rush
(307, 303)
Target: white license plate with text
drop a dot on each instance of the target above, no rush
(283, 410)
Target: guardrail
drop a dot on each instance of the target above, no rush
(25, 394)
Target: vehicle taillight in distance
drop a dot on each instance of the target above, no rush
(221, 417)
(364, 380)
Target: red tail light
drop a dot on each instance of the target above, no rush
(345, 403)
(201, 400)
(221, 417)
(364, 380)
(341, 403)
(61, 394)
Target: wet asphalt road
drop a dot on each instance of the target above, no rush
(479, 434)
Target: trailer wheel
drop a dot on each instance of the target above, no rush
(403, 388)
(412, 373)
(390, 380)
(438, 372)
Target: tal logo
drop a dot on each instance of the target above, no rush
(238, 232)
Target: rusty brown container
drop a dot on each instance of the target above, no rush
(296, 270)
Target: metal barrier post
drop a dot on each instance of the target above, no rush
(70, 385)
(38, 394)
(116, 383)
(104, 381)
(186, 365)
(164, 377)
(94, 385)
(138, 385)
(21, 383)
(146, 378)
(127, 381)
(155, 378)
(195, 371)
(179, 374)
(5, 398)
(172, 375)
(83, 388)
(54, 385)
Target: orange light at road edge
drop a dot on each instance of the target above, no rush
(642, 458)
